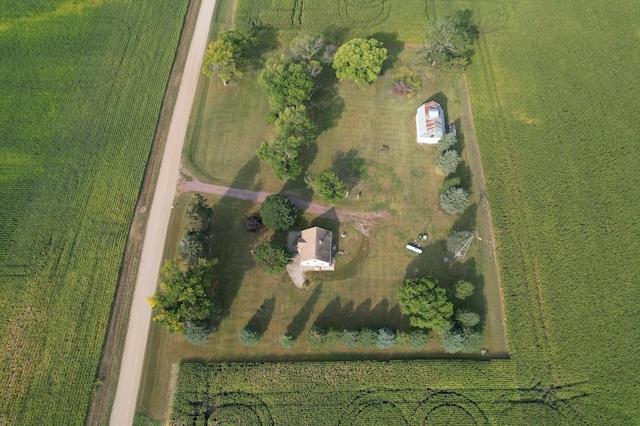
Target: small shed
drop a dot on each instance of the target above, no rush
(429, 123)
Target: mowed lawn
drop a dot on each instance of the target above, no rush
(82, 86)
(228, 125)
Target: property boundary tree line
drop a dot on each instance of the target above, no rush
(184, 303)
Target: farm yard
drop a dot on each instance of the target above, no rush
(553, 122)
(82, 86)
(228, 124)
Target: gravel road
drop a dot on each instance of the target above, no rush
(124, 405)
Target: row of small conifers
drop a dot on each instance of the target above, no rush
(429, 308)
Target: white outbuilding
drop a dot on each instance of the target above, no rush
(430, 123)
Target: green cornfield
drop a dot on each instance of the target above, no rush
(554, 88)
(82, 86)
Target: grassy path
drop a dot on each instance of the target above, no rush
(132, 359)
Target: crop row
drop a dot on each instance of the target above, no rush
(560, 154)
(400, 392)
(77, 146)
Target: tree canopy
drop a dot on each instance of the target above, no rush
(294, 121)
(454, 200)
(197, 332)
(225, 57)
(278, 212)
(273, 255)
(282, 155)
(426, 303)
(448, 162)
(448, 43)
(249, 335)
(182, 295)
(198, 214)
(360, 60)
(447, 141)
(463, 289)
(192, 246)
(285, 83)
(328, 186)
(467, 319)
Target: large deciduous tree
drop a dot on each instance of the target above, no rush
(282, 155)
(448, 44)
(225, 57)
(360, 60)
(285, 83)
(183, 295)
(328, 186)
(273, 255)
(294, 121)
(278, 212)
(426, 303)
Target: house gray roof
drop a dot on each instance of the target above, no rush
(315, 245)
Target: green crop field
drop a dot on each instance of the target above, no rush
(82, 86)
(433, 392)
(554, 88)
(555, 96)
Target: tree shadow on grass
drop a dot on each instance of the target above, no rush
(338, 316)
(430, 264)
(393, 46)
(298, 323)
(467, 220)
(298, 187)
(262, 318)
(349, 166)
(228, 226)
(326, 103)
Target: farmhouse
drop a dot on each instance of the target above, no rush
(315, 247)
(430, 123)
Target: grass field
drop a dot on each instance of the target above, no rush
(82, 86)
